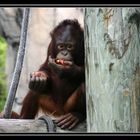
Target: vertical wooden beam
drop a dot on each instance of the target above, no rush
(112, 45)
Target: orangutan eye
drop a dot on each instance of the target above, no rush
(70, 47)
(60, 46)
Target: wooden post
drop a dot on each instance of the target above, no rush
(112, 45)
(33, 126)
(22, 126)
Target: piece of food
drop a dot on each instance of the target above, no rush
(59, 61)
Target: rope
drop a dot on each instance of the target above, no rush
(51, 127)
(18, 67)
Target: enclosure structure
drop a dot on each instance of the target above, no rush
(112, 48)
(36, 126)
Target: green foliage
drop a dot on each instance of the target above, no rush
(3, 47)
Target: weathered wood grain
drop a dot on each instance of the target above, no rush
(112, 48)
(22, 126)
(33, 126)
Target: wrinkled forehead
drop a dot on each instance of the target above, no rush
(64, 34)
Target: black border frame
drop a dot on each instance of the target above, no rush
(79, 4)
